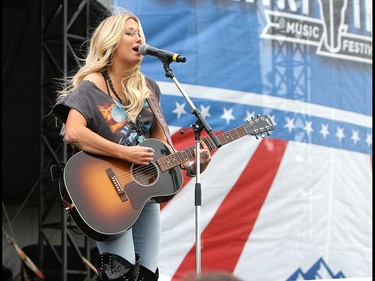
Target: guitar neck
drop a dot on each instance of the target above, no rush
(231, 135)
(173, 160)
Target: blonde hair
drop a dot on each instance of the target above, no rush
(104, 41)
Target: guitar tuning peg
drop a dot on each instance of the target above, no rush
(268, 133)
(256, 136)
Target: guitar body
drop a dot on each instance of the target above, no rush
(106, 195)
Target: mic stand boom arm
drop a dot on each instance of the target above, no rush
(198, 126)
(194, 110)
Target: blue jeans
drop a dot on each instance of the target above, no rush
(142, 238)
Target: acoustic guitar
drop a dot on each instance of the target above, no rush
(105, 195)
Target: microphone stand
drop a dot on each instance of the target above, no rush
(198, 126)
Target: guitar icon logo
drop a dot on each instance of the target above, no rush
(333, 15)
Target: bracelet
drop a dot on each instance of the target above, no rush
(189, 172)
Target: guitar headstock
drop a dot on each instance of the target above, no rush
(259, 126)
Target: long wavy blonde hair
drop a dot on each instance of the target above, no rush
(104, 41)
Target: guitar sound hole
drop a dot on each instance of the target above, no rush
(145, 175)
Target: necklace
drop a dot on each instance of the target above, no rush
(108, 79)
(133, 125)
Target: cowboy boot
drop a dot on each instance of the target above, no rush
(147, 275)
(115, 268)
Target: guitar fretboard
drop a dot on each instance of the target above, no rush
(170, 161)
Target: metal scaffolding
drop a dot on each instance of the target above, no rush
(64, 29)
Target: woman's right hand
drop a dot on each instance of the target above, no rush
(140, 155)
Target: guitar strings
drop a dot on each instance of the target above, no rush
(146, 171)
(126, 178)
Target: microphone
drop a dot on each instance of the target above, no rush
(161, 54)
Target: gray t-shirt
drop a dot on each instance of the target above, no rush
(105, 116)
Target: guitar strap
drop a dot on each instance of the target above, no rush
(156, 109)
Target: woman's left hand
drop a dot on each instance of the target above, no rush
(205, 157)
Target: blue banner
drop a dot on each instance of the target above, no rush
(308, 66)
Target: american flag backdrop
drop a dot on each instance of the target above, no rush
(295, 205)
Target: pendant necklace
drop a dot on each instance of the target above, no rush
(108, 79)
(133, 125)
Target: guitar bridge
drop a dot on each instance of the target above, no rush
(116, 184)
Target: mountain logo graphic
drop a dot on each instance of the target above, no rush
(319, 270)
